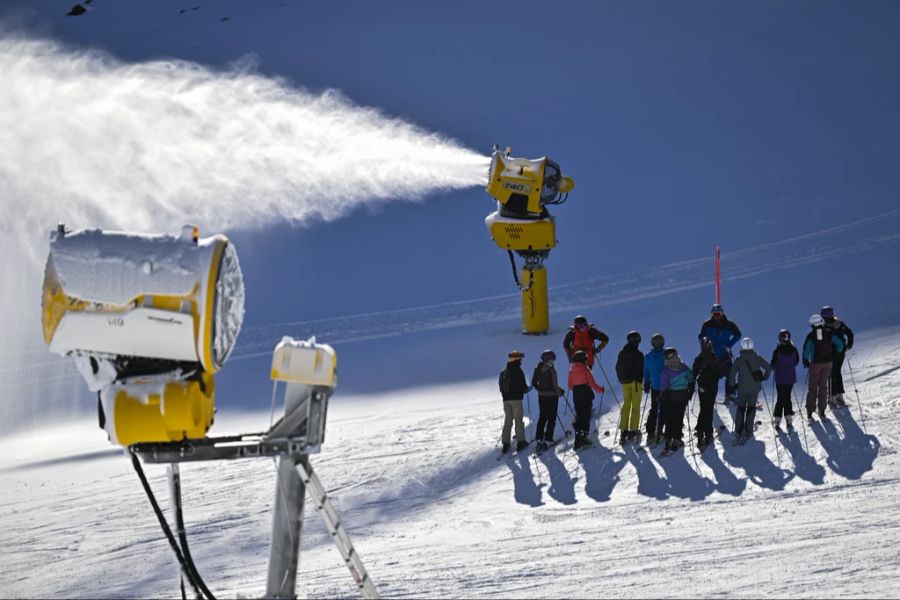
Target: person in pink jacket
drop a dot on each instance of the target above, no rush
(582, 384)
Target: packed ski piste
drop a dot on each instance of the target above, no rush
(670, 387)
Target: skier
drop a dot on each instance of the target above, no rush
(706, 374)
(513, 387)
(581, 382)
(545, 381)
(581, 336)
(785, 359)
(676, 389)
(819, 350)
(630, 372)
(723, 334)
(653, 366)
(840, 330)
(747, 374)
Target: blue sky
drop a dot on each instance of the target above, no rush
(685, 125)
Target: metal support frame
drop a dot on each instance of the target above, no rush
(300, 432)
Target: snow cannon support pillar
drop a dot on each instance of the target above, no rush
(535, 301)
(308, 372)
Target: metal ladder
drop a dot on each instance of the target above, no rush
(336, 529)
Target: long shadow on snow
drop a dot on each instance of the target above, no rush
(681, 478)
(526, 491)
(726, 481)
(853, 454)
(562, 485)
(649, 482)
(601, 471)
(751, 457)
(805, 466)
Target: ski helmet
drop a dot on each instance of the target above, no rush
(516, 355)
(657, 340)
(784, 336)
(816, 321)
(670, 352)
(580, 356)
(633, 337)
(706, 343)
(548, 355)
(580, 320)
(746, 344)
(827, 312)
(717, 309)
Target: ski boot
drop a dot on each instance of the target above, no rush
(777, 423)
(789, 420)
(521, 445)
(505, 448)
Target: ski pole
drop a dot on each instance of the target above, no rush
(802, 420)
(643, 413)
(772, 421)
(862, 415)
(531, 422)
(690, 437)
(613, 390)
(566, 432)
(568, 405)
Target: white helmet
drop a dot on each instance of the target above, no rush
(746, 344)
(816, 320)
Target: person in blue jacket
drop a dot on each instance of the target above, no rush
(723, 334)
(653, 366)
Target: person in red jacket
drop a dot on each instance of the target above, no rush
(582, 384)
(581, 336)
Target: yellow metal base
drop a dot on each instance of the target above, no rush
(185, 411)
(535, 303)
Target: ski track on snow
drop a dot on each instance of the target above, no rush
(416, 480)
(878, 232)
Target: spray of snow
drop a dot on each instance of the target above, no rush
(94, 142)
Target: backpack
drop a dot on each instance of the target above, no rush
(543, 380)
(505, 383)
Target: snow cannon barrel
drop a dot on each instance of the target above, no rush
(524, 187)
(148, 319)
(158, 297)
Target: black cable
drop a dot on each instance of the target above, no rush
(162, 521)
(512, 261)
(182, 536)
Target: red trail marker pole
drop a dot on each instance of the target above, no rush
(718, 279)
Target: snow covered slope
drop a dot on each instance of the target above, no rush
(433, 512)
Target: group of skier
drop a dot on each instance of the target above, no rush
(670, 384)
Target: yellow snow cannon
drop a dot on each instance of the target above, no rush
(523, 189)
(148, 320)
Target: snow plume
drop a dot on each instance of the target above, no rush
(90, 140)
(94, 142)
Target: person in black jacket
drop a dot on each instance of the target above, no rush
(706, 372)
(546, 382)
(513, 388)
(819, 350)
(630, 372)
(838, 329)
